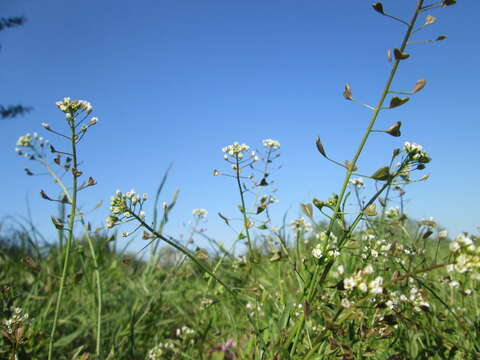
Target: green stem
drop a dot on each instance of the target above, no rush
(316, 281)
(99, 290)
(68, 244)
(244, 210)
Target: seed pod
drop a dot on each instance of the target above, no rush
(378, 7)
(419, 85)
(381, 174)
(394, 130)
(396, 101)
(400, 55)
(320, 147)
(347, 93)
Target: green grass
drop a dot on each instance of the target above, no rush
(144, 306)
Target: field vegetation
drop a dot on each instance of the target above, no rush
(353, 278)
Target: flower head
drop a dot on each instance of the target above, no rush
(271, 144)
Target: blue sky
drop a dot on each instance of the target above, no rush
(175, 81)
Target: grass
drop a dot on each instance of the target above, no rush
(343, 282)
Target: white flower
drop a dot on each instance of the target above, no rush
(201, 213)
(368, 269)
(357, 182)
(346, 304)
(317, 252)
(271, 144)
(349, 283)
(376, 286)
(454, 284)
(442, 234)
(454, 246)
(235, 150)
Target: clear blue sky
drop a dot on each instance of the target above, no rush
(175, 81)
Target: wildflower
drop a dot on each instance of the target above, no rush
(317, 252)
(346, 304)
(349, 283)
(301, 224)
(141, 214)
(271, 144)
(46, 126)
(442, 234)
(357, 182)
(454, 246)
(235, 150)
(93, 121)
(376, 286)
(201, 213)
(428, 222)
(24, 140)
(110, 222)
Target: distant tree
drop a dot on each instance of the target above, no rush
(12, 111)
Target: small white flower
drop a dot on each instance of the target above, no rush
(376, 286)
(201, 213)
(317, 252)
(271, 144)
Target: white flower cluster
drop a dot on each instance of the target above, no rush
(415, 152)
(416, 299)
(184, 331)
(158, 352)
(18, 319)
(301, 224)
(428, 222)
(69, 107)
(200, 213)
(125, 205)
(359, 281)
(235, 150)
(357, 182)
(326, 247)
(393, 212)
(251, 308)
(271, 144)
(467, 256)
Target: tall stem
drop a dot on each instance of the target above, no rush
(244, 210)
(316, 280)
(68, 245)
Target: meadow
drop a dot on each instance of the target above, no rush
(353, 278)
